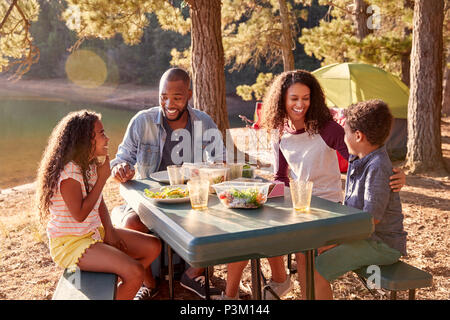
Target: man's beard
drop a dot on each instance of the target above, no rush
(180, 114)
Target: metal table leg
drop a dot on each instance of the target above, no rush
(207, 284)
(171, 284)
(310, 291)
(162, 259)
(256, 279)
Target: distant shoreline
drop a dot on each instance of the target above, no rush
(129, 97)
(125, 97)
(122, 96)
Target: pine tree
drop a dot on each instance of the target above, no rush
(425, 100)
(341, 38)
(16, 44)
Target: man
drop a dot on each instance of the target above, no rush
(152, 142)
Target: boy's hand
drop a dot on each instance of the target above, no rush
(122, 172)
(398, 180)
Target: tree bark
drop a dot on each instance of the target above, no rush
(288, 55)
(425, 99)
(405, 58)
(361, 17)
(207, 61)
(446, 87)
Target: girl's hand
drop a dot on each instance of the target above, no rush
(103, 170)
(398, 180)
(113, 239)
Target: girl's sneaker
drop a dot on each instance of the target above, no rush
(145, 293)
(223, 296)
(279, 288)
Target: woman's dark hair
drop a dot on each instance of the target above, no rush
(274, 114)
(372, 117)
(69, 141)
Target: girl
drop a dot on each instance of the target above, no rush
(295, 106)
(70, 183)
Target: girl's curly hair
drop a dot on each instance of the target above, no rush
(69, 141)
(274, 115)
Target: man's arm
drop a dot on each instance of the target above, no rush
(127, 150)
(122, 166)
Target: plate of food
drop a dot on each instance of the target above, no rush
(160, 176)
(168, 194)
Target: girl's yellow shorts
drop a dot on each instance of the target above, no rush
(67, 250)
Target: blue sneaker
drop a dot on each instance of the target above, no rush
(197, 285)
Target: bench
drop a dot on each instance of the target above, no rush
(398, 277)
(85, 285)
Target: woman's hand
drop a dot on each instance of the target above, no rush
(398, 180)
(113, 239)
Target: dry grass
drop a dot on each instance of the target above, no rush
(27, 271)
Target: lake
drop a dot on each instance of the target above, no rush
(26, 124)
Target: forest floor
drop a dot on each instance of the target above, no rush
(28, 272)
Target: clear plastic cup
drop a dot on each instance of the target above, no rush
(214, 175)
(198, 193)
(176, 175)
(235, 170)
(301, 192)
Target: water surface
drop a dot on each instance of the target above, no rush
(26, 124)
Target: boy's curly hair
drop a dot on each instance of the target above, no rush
(372, 117)
(274, 114)
(69, 140)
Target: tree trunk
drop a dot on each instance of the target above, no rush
(406, 66)
(446, 89)
(361, 18)
(405, 58)
(208, 69)
(288, 43)
(425, 98)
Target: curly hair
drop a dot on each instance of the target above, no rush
(274, 115)
(69, 141)
(371, 117)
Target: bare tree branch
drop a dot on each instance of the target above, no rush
(7, 13)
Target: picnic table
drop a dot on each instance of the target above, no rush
(220, 235)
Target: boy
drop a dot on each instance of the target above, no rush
(367, 188)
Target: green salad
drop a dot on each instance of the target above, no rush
(168, 193)
(249, 198)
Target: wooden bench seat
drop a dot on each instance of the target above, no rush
(398, 277)
(85, 285)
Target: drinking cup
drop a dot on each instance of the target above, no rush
(301, 192)
(235, 170)
(214, 175)
(198, 193)
(175, 174)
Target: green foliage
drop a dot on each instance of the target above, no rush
(15, 40)
(334, 40)
(258, 89)
(142, 38)
(253, 34)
